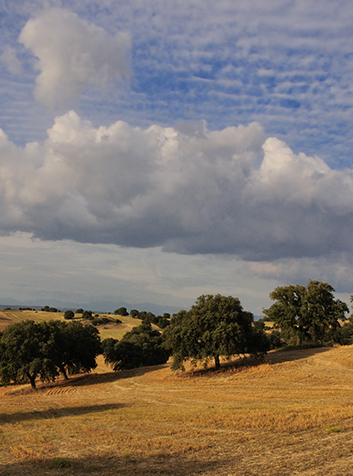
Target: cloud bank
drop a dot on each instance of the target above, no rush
(73, 54)
(186, 189)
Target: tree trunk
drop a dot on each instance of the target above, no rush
(217, 361)
(32, 379)
(63, 371)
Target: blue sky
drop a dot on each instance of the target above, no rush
(155, 151)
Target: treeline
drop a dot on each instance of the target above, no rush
(147, 317)
(30, 350)
(214, 327)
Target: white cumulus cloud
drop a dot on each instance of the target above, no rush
(189, 190)
(73, 54)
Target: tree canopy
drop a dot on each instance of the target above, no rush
(76, 346)
(30, 349)
(26, 352)
(307, 314)
(215, 326)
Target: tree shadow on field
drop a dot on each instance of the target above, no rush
(294, 354)
(96, 378)
(246, 362)
(111, 465)
(87, 379)
(57, 413)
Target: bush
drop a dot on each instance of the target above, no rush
(122, 311)
(69, 314)
(104, 320)
(87, 315)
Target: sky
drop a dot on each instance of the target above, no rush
(153, 151)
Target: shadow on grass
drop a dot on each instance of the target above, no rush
(125, 465)
(251, 361)
(86, 379)
(287, 355)
(57, 413)
(91, 379)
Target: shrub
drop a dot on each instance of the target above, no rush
(87, 315)
(69, 314)
(122, 311)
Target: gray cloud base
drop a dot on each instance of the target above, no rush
(186, 189)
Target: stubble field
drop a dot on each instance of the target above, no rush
(291, 415)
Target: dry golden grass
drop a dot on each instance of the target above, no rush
(11, 316)
(291, 415)
(8, 317)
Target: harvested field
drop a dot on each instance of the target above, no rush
(291, 415)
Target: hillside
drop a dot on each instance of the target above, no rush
(8, 317)
(291, 415)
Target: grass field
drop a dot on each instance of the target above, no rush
(8, 317)
(291, 415)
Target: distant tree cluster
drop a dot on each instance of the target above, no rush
(142, 346)
(30, 349)
(49, 309)
(308, 315)
(161, 321)
(122, 311)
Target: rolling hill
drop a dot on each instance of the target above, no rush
(292, 415)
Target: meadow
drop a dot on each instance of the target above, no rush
(290, 415)
(11, 316)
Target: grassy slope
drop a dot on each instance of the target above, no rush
(292, 415)
(8, 317)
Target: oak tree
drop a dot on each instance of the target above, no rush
(215, 326)
(308, 314)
